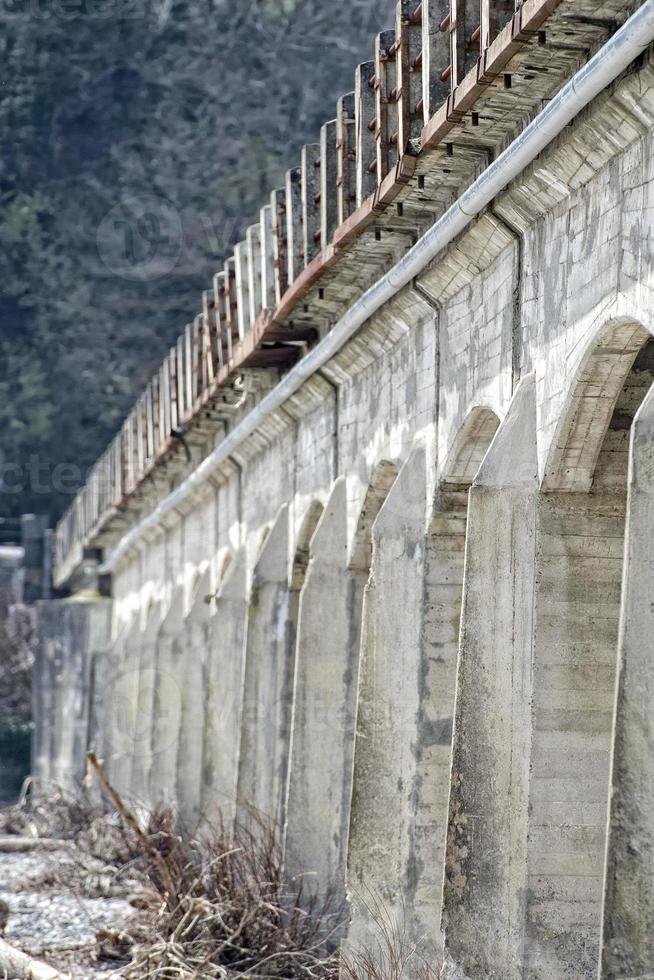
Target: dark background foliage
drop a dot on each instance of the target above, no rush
(174, 118)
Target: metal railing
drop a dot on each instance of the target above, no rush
(355, 169)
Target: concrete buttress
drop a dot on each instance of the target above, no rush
(486, 854)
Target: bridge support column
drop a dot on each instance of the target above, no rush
(327, 666)
(197, 643)
(628, 920)
(143, 689)
(486, 851)
(381, 873)
(111, 712)
(168, 681)
(71, 636)
(224, 695)
(267, 697)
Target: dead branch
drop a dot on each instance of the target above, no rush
(16, 844)
(132, 823)
(20, 966)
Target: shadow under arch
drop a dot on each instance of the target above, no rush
(200, 589)
(582, 426)
(470, 445)
(302, 552)
(383, 476)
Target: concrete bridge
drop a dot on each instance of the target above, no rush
(373, 552)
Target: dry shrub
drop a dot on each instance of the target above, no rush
(69, 815)
(231, 914)
(214, 905)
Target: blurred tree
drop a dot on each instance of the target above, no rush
(138, 139)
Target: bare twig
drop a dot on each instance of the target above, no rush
(131, 822)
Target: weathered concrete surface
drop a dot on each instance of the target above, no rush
(579, 577)
(142, 711)
(164, 724)
(111, 713)
(268, 688)
(224, 695)
(486, 858)
(197, 639)
(325, 696)
(70, 637)
(381, 873)
(628, 916)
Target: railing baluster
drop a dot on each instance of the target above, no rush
(149, 421)
(465, 20)
(223, 339)
(435, 56)
(328, 174)
(294, 234)
(280, 245)
(409, 74)
(196, 364)
(165, 398)
(209, 346)
(267, 258)
(164, 427)
(188, 372)
(141, 449)
(253, 238)
(118, 469)
(365, 127)
(386, 110)
(310, 201)
(231, 308)
(242, 286)
(345, 157)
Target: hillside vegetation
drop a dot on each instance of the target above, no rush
(137, 140)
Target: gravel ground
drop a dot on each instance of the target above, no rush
(51, 921)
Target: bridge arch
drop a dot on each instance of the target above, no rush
(382, 478)
(469, 447)
(302, 552)
(579, 573)
(585, 419)
(326, 686)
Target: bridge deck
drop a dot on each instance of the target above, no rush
(448, 88)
